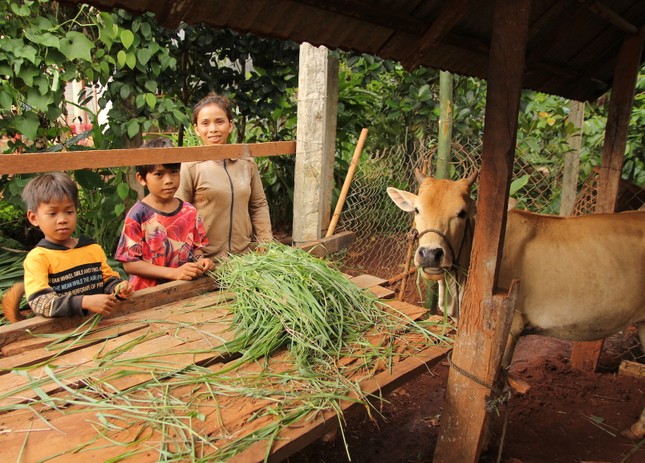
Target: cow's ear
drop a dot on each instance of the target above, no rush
(404, 199)
(419, 176)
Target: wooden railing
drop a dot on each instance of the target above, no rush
(95, 159)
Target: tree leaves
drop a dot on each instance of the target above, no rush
(127, 38)
(76, 46)
(27, 124)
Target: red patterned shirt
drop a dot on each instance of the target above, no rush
(166, 239)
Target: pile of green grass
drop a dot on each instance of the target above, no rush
(285, 296)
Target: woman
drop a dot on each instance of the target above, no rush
(228, 194)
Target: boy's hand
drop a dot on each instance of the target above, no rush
(123, 290)
(206, 263)
(188, 271)
(99, 303)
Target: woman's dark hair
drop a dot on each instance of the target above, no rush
(213, 98)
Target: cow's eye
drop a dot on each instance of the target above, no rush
(462, 214)
(416, 210)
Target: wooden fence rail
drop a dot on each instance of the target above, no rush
(95, 159)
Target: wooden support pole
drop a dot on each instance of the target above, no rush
(572, 159)
(485, 318)
(348, 181)
(585, 355)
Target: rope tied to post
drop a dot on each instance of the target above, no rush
(498, 397)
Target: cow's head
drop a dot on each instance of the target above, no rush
(442, 209)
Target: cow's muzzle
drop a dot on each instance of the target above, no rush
(432, 260)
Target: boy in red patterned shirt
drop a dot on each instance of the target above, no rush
(163, 237)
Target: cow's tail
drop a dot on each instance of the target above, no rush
(11, 302)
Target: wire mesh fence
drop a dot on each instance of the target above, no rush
(381, 228)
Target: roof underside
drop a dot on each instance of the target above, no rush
(572, 46)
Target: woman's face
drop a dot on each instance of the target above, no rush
(212, 126)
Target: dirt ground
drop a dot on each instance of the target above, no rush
(567, 416)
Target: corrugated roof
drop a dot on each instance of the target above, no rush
(571, 52)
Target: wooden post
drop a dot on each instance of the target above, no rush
(485, 318)
(572, 159)
(584, 355)
(315, 142)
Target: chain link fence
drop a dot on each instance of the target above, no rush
(381, 228)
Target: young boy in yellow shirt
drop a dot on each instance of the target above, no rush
(64, 276)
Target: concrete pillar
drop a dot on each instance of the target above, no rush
(315, 142)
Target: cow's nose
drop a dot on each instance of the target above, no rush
(429, 257)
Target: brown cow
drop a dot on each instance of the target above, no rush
(582, 278)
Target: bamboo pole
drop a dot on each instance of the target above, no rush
(348, 181)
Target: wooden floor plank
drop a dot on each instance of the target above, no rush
(33, 350)
(87, 362)
(295, 438)
(177, 337)
(141, 300)
(367, 281)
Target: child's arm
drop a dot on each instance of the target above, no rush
(41, 297)
(188, 271)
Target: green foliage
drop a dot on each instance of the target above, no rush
(41, 48)
(128, 66)
(150, 77)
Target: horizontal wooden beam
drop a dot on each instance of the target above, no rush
(328, 245)
(609, 15)
(96, 159)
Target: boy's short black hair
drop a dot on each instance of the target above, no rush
(157, 142)
(47, 187)
(145, 170)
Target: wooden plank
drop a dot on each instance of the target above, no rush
(295, 438)
(95, 159)
(381, 292)
(140, 300)
(450, 15)
(179, 348)
(629, 368)
(485, 318)
(325, 246)
(367, 281)
(163, 341)
(226, 417)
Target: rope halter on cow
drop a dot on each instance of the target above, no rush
(415, 235)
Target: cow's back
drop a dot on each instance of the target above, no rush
(582, 278)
